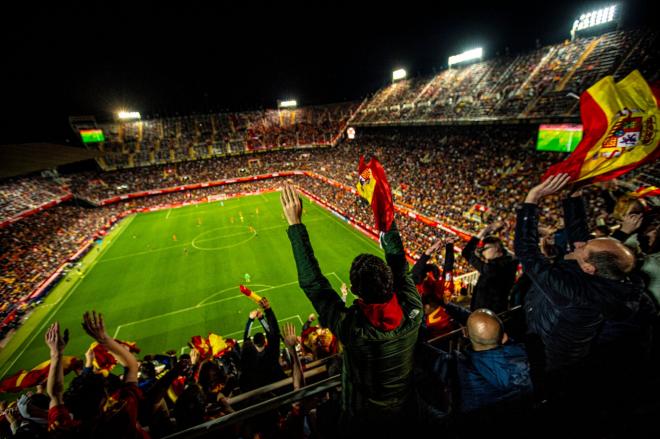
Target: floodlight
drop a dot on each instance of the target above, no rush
(128, 115)
(466, 56)
(594, 18)
(398, 74)
(288, 104)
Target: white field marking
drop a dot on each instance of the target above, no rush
(201, 305)
(222, 247)
(211, 207)
(336, 276)
(184, 349)
(233, 288)
(146, 252)
(297, 316)
(168, 213)
(61, 302)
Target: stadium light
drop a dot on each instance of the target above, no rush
(594, 18)
(398, 74)
(466, 56)
(128, 115)
(287, 104)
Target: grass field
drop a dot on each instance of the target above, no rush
(159, 292)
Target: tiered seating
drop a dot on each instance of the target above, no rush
(534, 84)
(177, 139)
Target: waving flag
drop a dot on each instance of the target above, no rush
(212, 346)
(24, 379)
(645, 191)
(249, 293)
(104, 361)
(620, 130)
(373, 186)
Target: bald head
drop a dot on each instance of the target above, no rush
(604, 257)
(485, 330)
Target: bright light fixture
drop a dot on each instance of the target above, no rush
(288, 104)
(466, 56)
(594, 18)
(128, 115)
(398, 74)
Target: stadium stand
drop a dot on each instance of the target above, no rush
(464, 177)
(528, 86)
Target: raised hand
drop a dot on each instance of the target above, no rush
(631, 222)
(95, 327)
(194, 356)
(289, 335)
(434, 248)
(264, 303)
(291, 205)
(550, 186)
(253, 314)
(55, 341)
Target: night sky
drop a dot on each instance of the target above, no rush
(168, 60)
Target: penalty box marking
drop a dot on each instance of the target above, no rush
(202, 305)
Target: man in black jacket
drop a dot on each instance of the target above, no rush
(260, 356)
(571, 299)
(497, 271)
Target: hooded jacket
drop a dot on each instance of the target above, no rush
(377, 364)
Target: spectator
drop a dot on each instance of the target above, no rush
(570, 300)
(259, 356)
(378, 332)
(497, 271)
(492, 371)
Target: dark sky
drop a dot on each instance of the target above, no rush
(194, 58)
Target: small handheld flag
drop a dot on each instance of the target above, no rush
(249, 293)
(374, 187)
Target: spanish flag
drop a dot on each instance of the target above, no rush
(373, 186)
(104, 361)
(621, 131)
(24, 379)
(645, 191)
(210, 347)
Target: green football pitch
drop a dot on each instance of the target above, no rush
(162, 277)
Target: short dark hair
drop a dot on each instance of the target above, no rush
(496, 241)
(608, 265)
(84, 395)
(371, 279)
(259, 339)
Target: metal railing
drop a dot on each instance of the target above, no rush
(451, 341)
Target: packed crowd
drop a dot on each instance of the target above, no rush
(527, 85)
(589, 309)
(24, 194)
(178, 139)
(442, 173)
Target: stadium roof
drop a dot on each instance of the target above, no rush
(163, 59)
(33, 157)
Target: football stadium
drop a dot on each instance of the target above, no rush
(469, 246)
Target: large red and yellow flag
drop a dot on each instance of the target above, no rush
(212, 346)
(621, 132)
(374, 187)
(25, 379)
(104, 361)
